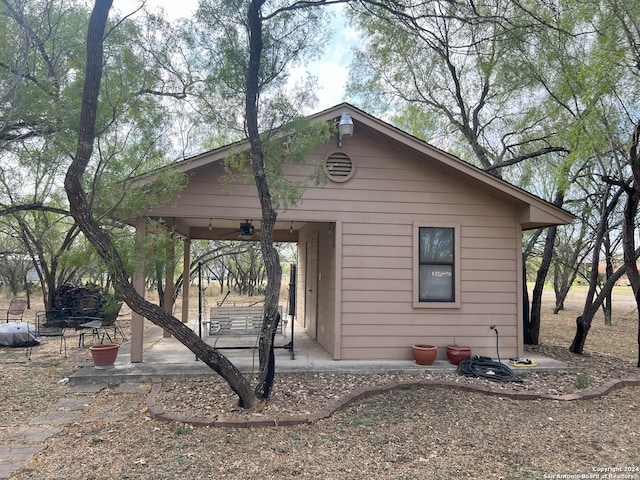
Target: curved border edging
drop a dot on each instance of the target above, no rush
(158, 413)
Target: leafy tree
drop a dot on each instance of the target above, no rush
(614, 71)
(255, 42)
(462, 76)
(13, 271)
(449, 77)
(212, 256)
(40, 62)
(260, 68)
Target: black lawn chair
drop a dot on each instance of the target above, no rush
(52, 324)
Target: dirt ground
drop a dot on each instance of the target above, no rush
(427, 432)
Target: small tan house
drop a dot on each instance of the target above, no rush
(404, 244)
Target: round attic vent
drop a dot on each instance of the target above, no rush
(339, 167)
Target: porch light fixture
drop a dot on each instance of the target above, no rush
(345, 127)
(246, 230)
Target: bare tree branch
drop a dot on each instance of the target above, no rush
(34, 207)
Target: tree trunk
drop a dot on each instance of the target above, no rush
(269, 215)
(560, 289)
(607, 305)
(628, 231)
(628, 242)
(583, 322)
(638, 311)
(536, 299)
(541, 277)
(102, 241)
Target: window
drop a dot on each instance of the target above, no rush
(436, 259)
(436, 274)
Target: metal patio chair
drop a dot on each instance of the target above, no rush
(16, 309)
(111, 321)
(52, 324)
(87, 318)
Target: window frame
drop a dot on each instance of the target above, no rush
(417, 303)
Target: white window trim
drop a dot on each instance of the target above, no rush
(416, 266)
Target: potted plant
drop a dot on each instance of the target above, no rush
(104, 355)
(457, 353)
(424, 354)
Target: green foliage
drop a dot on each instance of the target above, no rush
(42, 60)
(287, 145)
(451, 77)
(300, 136)
(582, 381)
(183, 429)
(218, 49)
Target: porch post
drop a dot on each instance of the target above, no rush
(520, 289)
(169, 271)
(186, 277)
(137, 320)
(337, 305)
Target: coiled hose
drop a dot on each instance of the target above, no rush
(484, 367)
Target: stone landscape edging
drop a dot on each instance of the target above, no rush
(158, 412)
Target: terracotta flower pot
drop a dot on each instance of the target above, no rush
(424, 354)
(457, 353)
(104, 356)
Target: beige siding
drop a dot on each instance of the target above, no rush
(208, 195)
(366, 267)
(378, 207)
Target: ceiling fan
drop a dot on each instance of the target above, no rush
(246, 231)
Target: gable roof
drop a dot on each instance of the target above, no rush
(534, 211)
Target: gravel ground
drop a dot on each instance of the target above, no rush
(431, 432)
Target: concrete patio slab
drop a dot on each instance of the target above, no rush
(167, 357)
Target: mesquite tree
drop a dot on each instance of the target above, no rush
(255, 77)
(102, 242)
(615, 72)
(465, 76)
(243, 49)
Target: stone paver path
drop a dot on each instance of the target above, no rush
(19, 447)
(12, 457)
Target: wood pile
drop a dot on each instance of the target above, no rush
(68, 300)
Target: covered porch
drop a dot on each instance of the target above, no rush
(166, 357)
(186, 229)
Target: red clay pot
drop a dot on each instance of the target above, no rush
(457, 353)
(104, 355)
(424, 354)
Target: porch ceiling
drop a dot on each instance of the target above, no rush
(229, 229)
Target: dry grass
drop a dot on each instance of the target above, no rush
(618, 340)
(427, 432)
